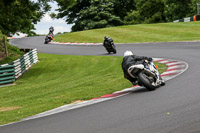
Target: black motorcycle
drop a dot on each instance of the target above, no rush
(48, 38)
(109, 45)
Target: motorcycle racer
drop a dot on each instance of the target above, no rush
(131, 59)
(51, 30)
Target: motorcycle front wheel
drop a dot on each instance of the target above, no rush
(146, 81)
(114, 49)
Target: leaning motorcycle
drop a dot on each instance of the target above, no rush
(109, 45)
(146, 75)
(48, 38)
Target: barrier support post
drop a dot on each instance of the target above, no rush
(5, 46)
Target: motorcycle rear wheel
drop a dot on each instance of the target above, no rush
(143, 79)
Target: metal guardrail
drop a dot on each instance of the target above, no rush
(12, 71)
(7, 74)
(189, 19)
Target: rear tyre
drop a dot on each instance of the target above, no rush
(146, 82)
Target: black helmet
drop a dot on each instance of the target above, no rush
(51, 29)
(106, 37)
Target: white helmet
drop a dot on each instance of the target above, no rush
(127, 53)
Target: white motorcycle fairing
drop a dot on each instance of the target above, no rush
(131, 68)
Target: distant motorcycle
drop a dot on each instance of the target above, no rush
(109, 45)
(146, 75)
(48, 38)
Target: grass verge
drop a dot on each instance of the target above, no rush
(61, 79)
(161, 32)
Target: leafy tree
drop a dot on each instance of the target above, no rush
(193, 7)
(74, 10)
(122, 7)
(21, 15)
(133, 17)
(98, 15)
(70, 9)
(147, 11)
(176, 9)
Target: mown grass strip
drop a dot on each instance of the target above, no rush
(61, 79)
(161, 32)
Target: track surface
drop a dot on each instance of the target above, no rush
(174, 108)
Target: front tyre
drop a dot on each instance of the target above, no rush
(114, 49)
(146, 81)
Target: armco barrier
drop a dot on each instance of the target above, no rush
(12, 71)
(189, 19)
(25, 62)
(7, 74)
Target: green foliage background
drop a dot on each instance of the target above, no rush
(99, 15)
(21, 15)
(92, 14)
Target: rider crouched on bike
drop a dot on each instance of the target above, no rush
(51, 30)
(130, 59)
(107, 41)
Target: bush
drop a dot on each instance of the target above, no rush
(13, 52)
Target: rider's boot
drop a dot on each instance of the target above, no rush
(135, 82)
(160, 81)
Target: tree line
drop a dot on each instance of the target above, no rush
(21, 15)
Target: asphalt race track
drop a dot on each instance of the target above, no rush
(174, 108)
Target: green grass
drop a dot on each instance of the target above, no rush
(162, 32)
(61, 79)
(10, 58)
